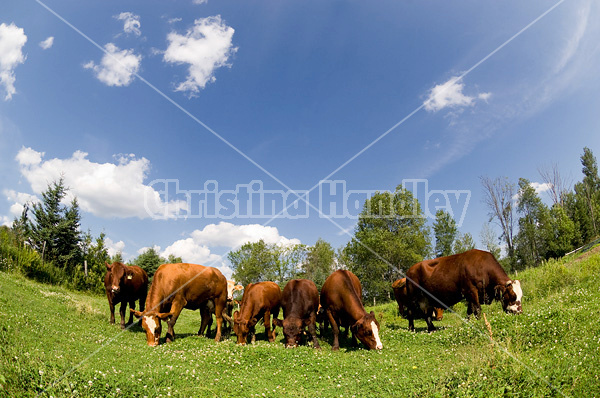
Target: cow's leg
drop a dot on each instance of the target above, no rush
(142, 304)
(176, 308)
(219, 307)
(411, 321)
(267, 321)
(312, 329)
(205, 320)
(275, 315)
(132, 306)
(473, 306)
(335, 329)
(429, 320)
(112, 309)
(122, 312)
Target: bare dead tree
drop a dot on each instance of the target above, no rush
(558, 185)
(498, 196)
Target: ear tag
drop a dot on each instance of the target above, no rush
(129, 276)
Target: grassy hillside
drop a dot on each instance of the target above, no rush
(55, 342)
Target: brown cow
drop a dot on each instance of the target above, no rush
(208, 310)
(341, 298)
(179, 286)
(474, 275)
(399, 288)
(125, 284)
(259, 301)
(300, 303)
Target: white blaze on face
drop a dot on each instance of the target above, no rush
(516, 285)
(151, 324)
(375, 330)
(230, 286)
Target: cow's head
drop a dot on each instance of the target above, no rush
(510, 294)
(240, 328)
(118, 275)
(292, 329)
(232, 287)
(438, 314)
(151, 322)
(366, 330)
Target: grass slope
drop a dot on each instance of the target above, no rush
(56, 342)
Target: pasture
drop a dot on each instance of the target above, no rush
(56, 342)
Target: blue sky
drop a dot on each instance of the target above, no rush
(119, 96)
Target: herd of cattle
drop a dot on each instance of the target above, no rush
(429, 287)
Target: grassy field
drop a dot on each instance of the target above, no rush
(56, 342)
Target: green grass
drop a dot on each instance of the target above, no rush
(56, 342)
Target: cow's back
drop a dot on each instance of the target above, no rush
(341, 291)
(300, 297)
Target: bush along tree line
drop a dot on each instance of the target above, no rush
(391, 235)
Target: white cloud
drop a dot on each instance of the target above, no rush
(484, 96)
(448, 94)
(12, 40)
(131, 22)
(205, 47)
(117, 67)
(114, 247)
(199, 1)
(46, 44)
(103, 189)
(174, 20)
(226, 234)
(197, 248)
(6, 221)
(540, 187)
(19, 199)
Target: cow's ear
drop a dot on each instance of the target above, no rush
(163, 315)
(236, 315)
(277, 322)
(108, 266)
(507, 284)
(238, 287)
(129, 274)
(137, 314)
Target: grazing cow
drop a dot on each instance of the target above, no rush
(125, 284)
(474, 275)
(399, 288)
(208, 310)
(341, 298)
(300, 303)
(260, 300)
(179, 286)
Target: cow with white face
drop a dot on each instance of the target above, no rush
(179, 286)
(510, 295)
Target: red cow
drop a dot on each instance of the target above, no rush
(341, 299)
(300, 303)
(125, 284)
(259, 301)
(474, 275)
(401, 296)
(179, 286)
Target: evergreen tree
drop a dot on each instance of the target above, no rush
(149, 261)
(445, 232)
(54, 228)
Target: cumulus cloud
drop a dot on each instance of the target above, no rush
(540, 187)
(46, 44)
(12, 40)
(131, 22)
(117, 67)
(205, 47)
(226, 234)
(103, 189)
(114, 247)
(450, 95)
(198, 247)
(19, 199)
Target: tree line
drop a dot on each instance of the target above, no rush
(46, 243)
(391, 235)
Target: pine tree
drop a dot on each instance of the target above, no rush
(445, 232)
